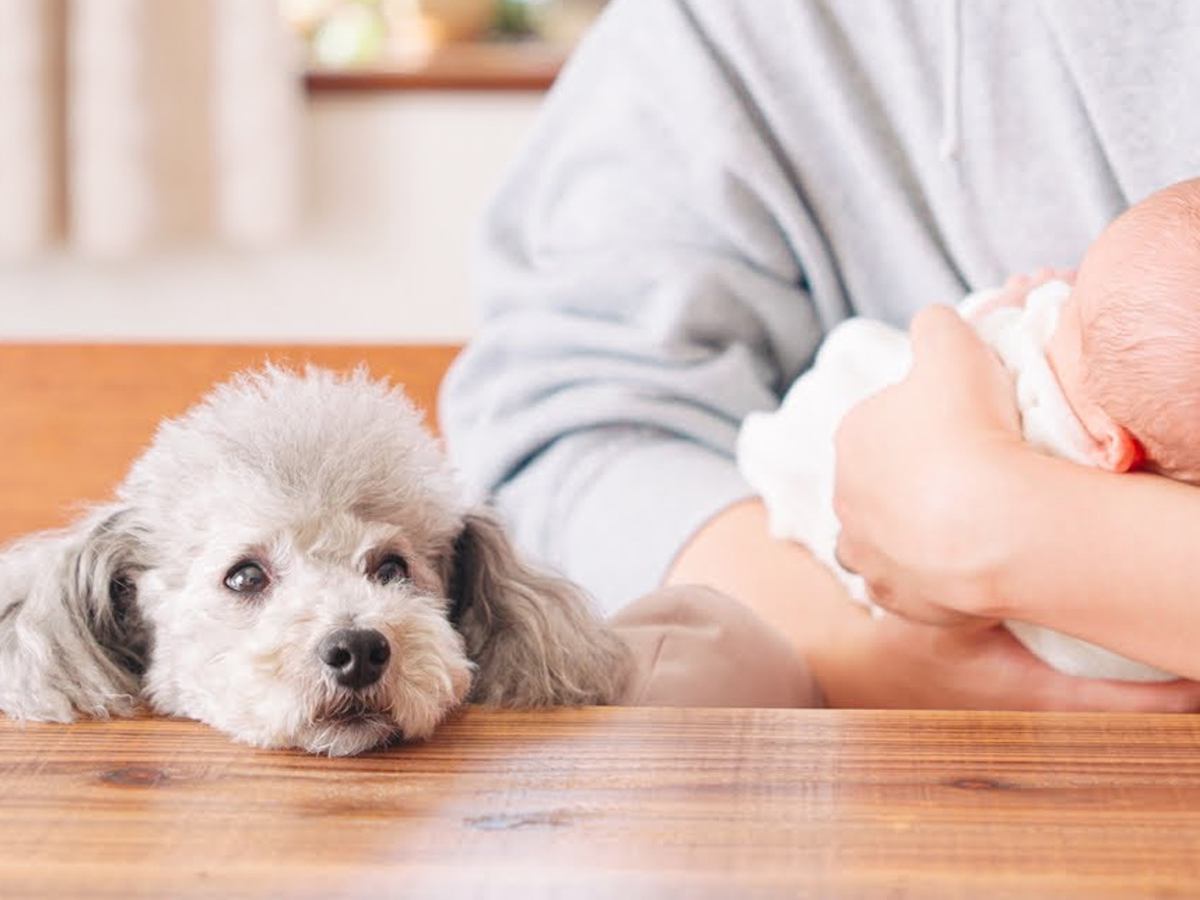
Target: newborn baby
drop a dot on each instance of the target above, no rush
(1106, 373)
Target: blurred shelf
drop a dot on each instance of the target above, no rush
(455, 67)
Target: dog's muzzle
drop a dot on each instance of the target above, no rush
(356, 657)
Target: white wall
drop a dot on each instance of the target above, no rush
(397, 183)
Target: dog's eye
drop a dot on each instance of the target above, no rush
(247, 578)
(390, 568)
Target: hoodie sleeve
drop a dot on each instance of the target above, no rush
(641, 292)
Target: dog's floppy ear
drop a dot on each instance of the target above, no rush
(71, 640)
(532, 637)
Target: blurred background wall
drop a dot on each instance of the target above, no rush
(406, 115)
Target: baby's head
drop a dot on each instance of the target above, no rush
(1127, 348)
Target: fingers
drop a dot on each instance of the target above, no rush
(921, 612)
(1121, 696)
(937, 327)
(853, 558)
(1017, 288)
(1050, 689)
(941, 336)
(843, 551)
(1017, 283)
(1008, 298)
(950, 357)
(1040, 277)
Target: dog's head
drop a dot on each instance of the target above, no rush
(291, 562)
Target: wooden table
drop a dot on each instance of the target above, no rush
(572, 803)
(617, 802)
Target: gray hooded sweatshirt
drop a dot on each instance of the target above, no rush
(715, 183)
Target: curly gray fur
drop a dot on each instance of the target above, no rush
(316, 477)
(530, 634)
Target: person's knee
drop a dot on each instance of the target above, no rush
(694, 646)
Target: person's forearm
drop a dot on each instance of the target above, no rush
(1109, 558)
(788, 588)
(862, 661)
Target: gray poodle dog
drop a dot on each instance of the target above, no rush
(291, 561)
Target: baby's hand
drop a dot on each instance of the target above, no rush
(1018, 287)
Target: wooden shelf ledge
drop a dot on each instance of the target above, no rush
(462, 67)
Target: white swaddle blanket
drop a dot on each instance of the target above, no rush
(788, 455)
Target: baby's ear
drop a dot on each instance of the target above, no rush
(1116, 449)
(532, 637)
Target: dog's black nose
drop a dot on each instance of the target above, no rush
(357, 656)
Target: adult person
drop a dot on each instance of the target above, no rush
(715, 184)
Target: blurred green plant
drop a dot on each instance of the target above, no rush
(349, 33)
(352, 34)
(514, 17)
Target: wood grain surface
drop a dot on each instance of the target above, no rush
(72, 417)
(616, 802)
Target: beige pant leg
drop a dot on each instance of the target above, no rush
(694, 646)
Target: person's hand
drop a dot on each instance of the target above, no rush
(910, 517)
(932, 527)
(908, 665)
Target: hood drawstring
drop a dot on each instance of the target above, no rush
(951, 78)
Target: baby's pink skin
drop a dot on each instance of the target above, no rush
(1114, 448)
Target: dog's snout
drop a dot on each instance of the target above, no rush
(357, 656)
